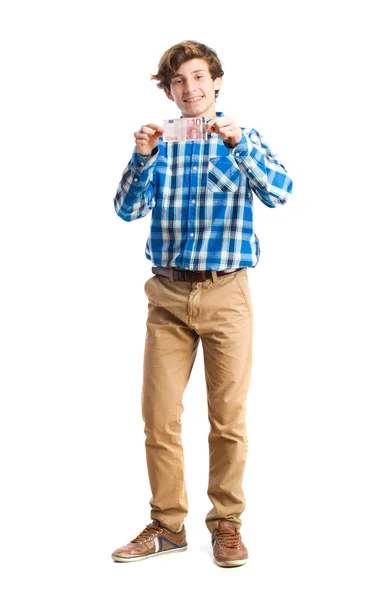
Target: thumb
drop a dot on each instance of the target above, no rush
(158, 133)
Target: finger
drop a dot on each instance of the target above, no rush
(227, 123)
(142, 136)
(212, 128)
(157, 128)
(227, 129)
(223, 121)
(210, 124)
(147, 129)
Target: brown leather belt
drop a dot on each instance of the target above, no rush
(184, 275)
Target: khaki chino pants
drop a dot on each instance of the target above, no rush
(219, 311)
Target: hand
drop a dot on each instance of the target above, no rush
(227, 128)
(147, 138)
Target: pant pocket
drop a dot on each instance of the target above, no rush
(243, 284)
(147, 284)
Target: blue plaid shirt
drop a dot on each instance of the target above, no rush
(200, 197)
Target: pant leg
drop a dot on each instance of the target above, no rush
(170, 351)
(227, 346)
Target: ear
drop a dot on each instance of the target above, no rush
(168, 94)
(218, 83)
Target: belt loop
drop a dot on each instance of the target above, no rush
(214, 276)
(171, 277)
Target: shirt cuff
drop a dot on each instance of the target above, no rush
(241, 150)
(140, 162)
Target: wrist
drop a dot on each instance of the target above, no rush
(233, 142)
(153, 151)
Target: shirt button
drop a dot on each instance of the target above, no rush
(237, 153)
(195, 168)
(193, 201)
(142, 164)
(191, 234)
(135, 179)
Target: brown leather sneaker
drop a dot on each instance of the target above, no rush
(228, 548)
(153, 540)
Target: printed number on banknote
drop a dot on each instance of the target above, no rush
(184, 129)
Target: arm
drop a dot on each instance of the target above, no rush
(135, 194)
(267, 176)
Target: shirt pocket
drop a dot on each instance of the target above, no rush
(223, 175)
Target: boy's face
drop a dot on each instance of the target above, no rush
(193, 90)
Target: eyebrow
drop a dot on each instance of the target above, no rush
(192, 72)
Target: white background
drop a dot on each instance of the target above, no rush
(76, 85)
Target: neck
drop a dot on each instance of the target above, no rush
(207, 115)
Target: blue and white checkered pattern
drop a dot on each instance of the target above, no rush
(199, 194)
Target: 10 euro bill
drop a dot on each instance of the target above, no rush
(184, 129)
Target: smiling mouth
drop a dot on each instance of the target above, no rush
(196, 99)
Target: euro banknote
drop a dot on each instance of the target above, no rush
(186, 128)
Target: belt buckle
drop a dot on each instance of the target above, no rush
(192, 275)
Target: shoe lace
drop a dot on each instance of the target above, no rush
(149, 531)
(228, 539)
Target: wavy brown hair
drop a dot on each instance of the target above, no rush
(173, 58)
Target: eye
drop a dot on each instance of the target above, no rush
(200, 76)
(178, 81)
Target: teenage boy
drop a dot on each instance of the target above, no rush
(201, 245)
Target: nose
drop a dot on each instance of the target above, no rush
(189, 88)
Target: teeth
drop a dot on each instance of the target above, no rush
(193, 99)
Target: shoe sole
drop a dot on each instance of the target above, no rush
(118, 558)
(231, 563)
